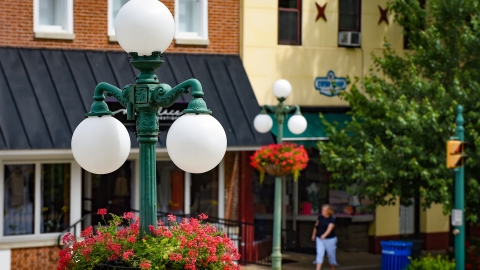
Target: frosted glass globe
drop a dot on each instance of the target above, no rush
(297, 124)
(100, 145)
(263, 123)
(144, 26)
(282, 88)
(196, 143)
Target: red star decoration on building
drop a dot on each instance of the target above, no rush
(383, 15)
(321, 11)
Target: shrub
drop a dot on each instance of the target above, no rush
(429, 262)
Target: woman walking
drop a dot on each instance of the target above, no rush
(325, 238)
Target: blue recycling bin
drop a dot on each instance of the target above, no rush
(395, 254)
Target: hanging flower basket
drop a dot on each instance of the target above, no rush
(279, 160)
(275, 169)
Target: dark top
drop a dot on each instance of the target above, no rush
(323, 225)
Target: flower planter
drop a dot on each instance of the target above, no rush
(114, 265)
(275, 170)
(160, 249)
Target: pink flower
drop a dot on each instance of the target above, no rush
(127, 254)
(172, 218)
(128, 215)
(67, 238)
(102, 211)
(202, 216)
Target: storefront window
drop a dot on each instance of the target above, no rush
(55, 197)
(170, 188)
(264, 194)
(312, 185)
(204, 193)
(112, 191)
(19, 194)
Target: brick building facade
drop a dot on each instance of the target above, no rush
(90, 23)
(90, 42)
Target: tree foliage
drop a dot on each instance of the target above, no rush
(404, 111)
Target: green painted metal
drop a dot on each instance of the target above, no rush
(280, 112)
(277, 225)
(147, 66)
(315, 128)
(145, 98)
(460, 198)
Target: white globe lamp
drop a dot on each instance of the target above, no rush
(282, 88)
(144, 26)
(263, 123)
(100, 145)
(196, 143)
(297, 124)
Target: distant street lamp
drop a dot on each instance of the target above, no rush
(263, 123)
(196, 142)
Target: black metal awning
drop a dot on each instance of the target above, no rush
(44, 94)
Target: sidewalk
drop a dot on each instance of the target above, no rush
(347, 261)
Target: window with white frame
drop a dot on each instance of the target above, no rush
(36, 198)
(407, 220)
(53, 19)
(113, 7)
(191, 20)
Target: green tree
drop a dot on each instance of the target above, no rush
(404, 111)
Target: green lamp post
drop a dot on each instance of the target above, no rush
(196, 142)
(296, 124)
(459, 238)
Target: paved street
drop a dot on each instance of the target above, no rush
(347, 260)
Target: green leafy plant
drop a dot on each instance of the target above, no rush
(185, 245)
(403, 111)
(429, 262)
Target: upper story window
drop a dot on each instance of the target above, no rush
(349, 23)
(114, 7)
(191, 20)
(53, 19)
(290, 22)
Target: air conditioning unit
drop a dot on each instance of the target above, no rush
(349, 39)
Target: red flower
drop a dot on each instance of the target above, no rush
(131, 239)
(171, 218)
(202, 216)
(468, 266)
(128, 215)
(145, 265)
(88, 232)
(102, 211)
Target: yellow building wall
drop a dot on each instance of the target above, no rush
(265, 61)
(387, 221)
(433, 220)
